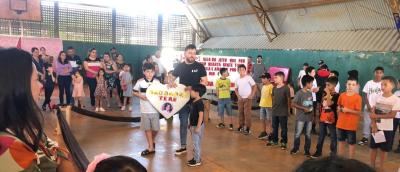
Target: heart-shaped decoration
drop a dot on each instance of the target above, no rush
(167, 101)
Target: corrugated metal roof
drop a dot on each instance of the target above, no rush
(234, 26)
(219, 7)
(362, 40)
(355, 15)
(274, 3)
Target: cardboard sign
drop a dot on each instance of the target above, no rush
(167, 101)
(274, 69)
(214, 63)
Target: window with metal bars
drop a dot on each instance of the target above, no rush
(85, 23)
(137, 29)
(94, 24)
(177, 31)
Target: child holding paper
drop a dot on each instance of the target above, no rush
(382, 122)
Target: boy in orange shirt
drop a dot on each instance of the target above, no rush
(349, 110)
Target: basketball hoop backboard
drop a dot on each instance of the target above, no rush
(29, 10)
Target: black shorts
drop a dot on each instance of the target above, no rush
(385, 146)
(350, 136)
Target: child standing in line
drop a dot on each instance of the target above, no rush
(280, 110)
(223, 91)
(245, 91)
(328, 117)
(382, 120)
(196, 121)
(349, 110)
(266, 107)
(101, 91)
(150, 118)
(304, 105)
(371, 91)
(78, 93)
(126, 84)
(50, 81)
(397, 118)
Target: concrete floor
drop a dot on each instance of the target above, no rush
(223, 150)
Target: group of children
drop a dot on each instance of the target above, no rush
(339, 113)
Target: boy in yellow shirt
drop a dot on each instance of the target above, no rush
(265, 106)
(223, 86)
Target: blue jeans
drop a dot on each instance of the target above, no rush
(224, 104)
(322, 133)
(300, 125)
(282, 121)
(184, 120)
(196, 138)
(366, 123)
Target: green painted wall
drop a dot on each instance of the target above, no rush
(133, 54)
(364, 62)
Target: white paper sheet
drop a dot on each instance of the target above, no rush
(73, 63)
(385, 125)
(379, 137)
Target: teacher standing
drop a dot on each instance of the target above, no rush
(190, 72)
(92, 65)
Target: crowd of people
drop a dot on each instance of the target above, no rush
(318, 101)
(108, 77)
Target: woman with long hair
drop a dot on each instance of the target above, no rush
(111, 69)
(92, 65)
(64, 80)
(22, 140)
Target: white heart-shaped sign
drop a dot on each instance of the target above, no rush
(167, 101)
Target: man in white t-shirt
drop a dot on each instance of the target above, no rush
(162, 72)
(149, 120)
(382, 115)
(301, 74)
(245, 90)
(371, 92)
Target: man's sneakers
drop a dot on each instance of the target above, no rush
(283, 146)
(193, 163)
(221, 125)
(271, 143)
(307, 154)
(240, 129)
(316, 155)
(180, 151)
(263, 135)
(363, 141)
(294, 152)
(246, 131)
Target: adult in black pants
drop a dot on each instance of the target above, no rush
(92, 65)
(63, 70)
(49, 82)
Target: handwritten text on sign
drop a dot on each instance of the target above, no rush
(167, 101)
(213, 64)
